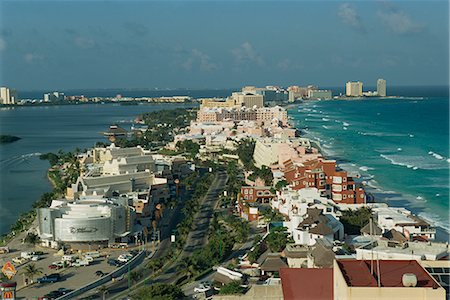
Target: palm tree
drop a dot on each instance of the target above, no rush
(31, 270)
(103, 290)
(135, 276)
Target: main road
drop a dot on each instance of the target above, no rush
(196, 239)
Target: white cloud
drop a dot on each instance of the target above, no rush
(398, 22)
(84, 42)
(350, 17)
(32, 57)
(198, 57)
(2, 44)
(205, 61)
(245, 53)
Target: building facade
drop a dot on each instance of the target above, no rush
(381, 87)
(7, 96)
(354, 89)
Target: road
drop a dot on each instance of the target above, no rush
(196, 239)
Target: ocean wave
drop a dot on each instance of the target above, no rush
(326, 127)
(434, 219)
(384, 134)
(365, 169)
(345, 124)
(345, 128)
(325, 119)
(436, 155)
(413, 162)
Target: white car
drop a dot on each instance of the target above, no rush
(124, 257)
(202, 287)
(19, 260)
(89, 259)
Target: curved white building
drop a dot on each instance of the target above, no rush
(90, 221)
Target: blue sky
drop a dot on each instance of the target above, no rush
(218, 44)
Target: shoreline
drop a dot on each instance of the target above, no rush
(380, 195)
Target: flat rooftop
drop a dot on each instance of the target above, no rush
(307, 284)
(357, 273)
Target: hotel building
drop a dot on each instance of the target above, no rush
(381, 87)
(7, 96)
(354, 89)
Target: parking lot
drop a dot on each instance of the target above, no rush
(72, 277)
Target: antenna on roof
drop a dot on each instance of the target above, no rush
(371, 248)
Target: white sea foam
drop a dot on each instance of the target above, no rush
(413, 162)
(365, 169)
(326, 127)
(399, 149)
(325, 119)
(345, 128)
(411, 135)
(436, 155)
(345, 124)
(381, 134)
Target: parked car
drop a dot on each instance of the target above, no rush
(4, 250)
(19, 260)
(114, 262)
(56, 265)
(100, 273)
(35, 257)
(202, 287)
(88, 258)
(80, 263)
(125, 257)
(64, 290)
(55, 277)
(93, 254)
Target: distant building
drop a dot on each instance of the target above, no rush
(354, 89)
(381, 87)
(213, 102)
(319, 94)
(54, 96)
(248, 99)
(7, 96)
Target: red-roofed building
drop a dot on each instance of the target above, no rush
(383, 279)
(307, 284)
(323, 175)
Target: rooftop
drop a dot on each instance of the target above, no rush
(307, 284)
(357, 273)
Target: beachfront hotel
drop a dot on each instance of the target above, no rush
(7, 96)
(354, 89)
(381, 87)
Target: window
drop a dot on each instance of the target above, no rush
(344, 187)
(245, 191)
(345, 196)
(344, 179)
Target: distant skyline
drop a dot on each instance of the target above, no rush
(217, 44)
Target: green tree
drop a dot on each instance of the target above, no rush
(135, 276)
(32, 238)
(31, 270)
(281, 184)
(245, 149)
(232, 288)
(159, 291)
(354, 220)
(277, 239)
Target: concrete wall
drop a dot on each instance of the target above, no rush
(260, 292)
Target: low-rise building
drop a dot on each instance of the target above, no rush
(384, 279)
(402, 220)
(381, 248)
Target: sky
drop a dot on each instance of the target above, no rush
(221, 44)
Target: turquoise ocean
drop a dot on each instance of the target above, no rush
(399, 147)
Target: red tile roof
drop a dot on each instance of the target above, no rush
(357, 273)
(307, 284)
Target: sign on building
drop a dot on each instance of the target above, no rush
(9, 270)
